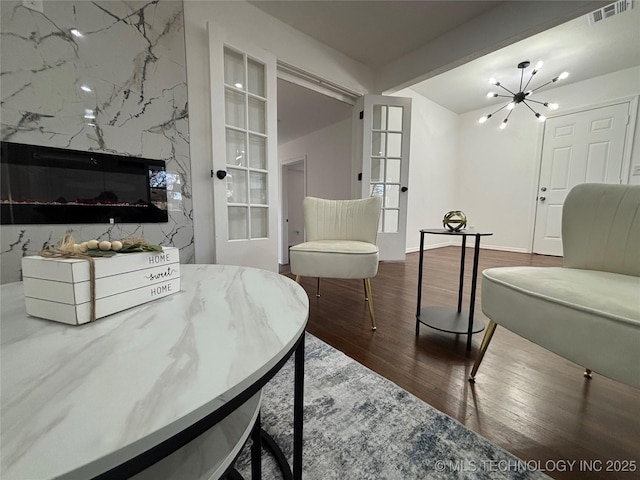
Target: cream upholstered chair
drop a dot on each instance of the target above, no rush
(340, 242)
(588, 310)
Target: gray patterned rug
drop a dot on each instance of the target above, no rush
(359, 425)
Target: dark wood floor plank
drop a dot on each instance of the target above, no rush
(528, 400)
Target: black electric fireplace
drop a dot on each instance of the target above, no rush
(45, 185)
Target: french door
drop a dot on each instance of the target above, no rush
(382, 130)
(244, 152)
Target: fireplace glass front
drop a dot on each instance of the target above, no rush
(45, 185)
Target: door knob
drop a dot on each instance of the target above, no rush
(542, 199)
(544, 189)
(221, 174)
(404, 189)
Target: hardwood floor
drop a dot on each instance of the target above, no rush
(529, 401)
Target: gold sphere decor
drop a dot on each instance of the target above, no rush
(454, 221)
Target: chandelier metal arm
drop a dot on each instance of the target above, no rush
(543, 85)
(534, 112)
(505, 88)
(530, 78)
(521, 77)
(508, 115)
(536, 101)
(502, 107)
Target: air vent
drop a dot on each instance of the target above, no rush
(609, 11)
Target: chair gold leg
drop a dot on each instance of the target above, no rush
(587, 373)
(318, 288)
(491, 328)
(366, 295)
(367, 287)
(297, 278)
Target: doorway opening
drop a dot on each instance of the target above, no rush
(294, 189)
(314, 151)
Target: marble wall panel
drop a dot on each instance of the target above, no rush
(131, 57)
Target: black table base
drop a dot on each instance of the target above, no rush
(448, 319)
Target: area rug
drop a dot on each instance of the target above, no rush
(359, 425)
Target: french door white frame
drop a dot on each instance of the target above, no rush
(260, 252)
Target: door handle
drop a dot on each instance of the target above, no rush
(542, 199)
(544, 189)
(221, 174)
(404, 189)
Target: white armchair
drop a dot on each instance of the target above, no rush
(340, 242)
(588, 310)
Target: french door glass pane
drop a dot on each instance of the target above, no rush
(390, 221)
(378, 144)
(393, 170)
(246, 146)
(392, 196)
(257, 152)
(379, 117)
(258, 185)
(236, 186)
(377, 170)
(233, 69)
(234, 108)
(259, 222)
(394, 144)
(257, 112)
(256, 77)
(236, 149)
(395, 119)
(238, 223)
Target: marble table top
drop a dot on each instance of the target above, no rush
(79, 400)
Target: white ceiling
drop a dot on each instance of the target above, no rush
(583, 50)
(377, 32)
(302, 111)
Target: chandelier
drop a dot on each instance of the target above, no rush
(522, 96)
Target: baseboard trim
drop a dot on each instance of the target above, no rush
(429, 247)
(505, 249)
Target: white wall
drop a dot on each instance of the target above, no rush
(265, 31)
(328, 154)
(434, 153)
(497, 170)
(295, 196)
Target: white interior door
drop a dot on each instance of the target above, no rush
(578, 148)
(244, 151)
(382, 133)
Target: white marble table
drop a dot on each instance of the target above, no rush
(111, 397)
